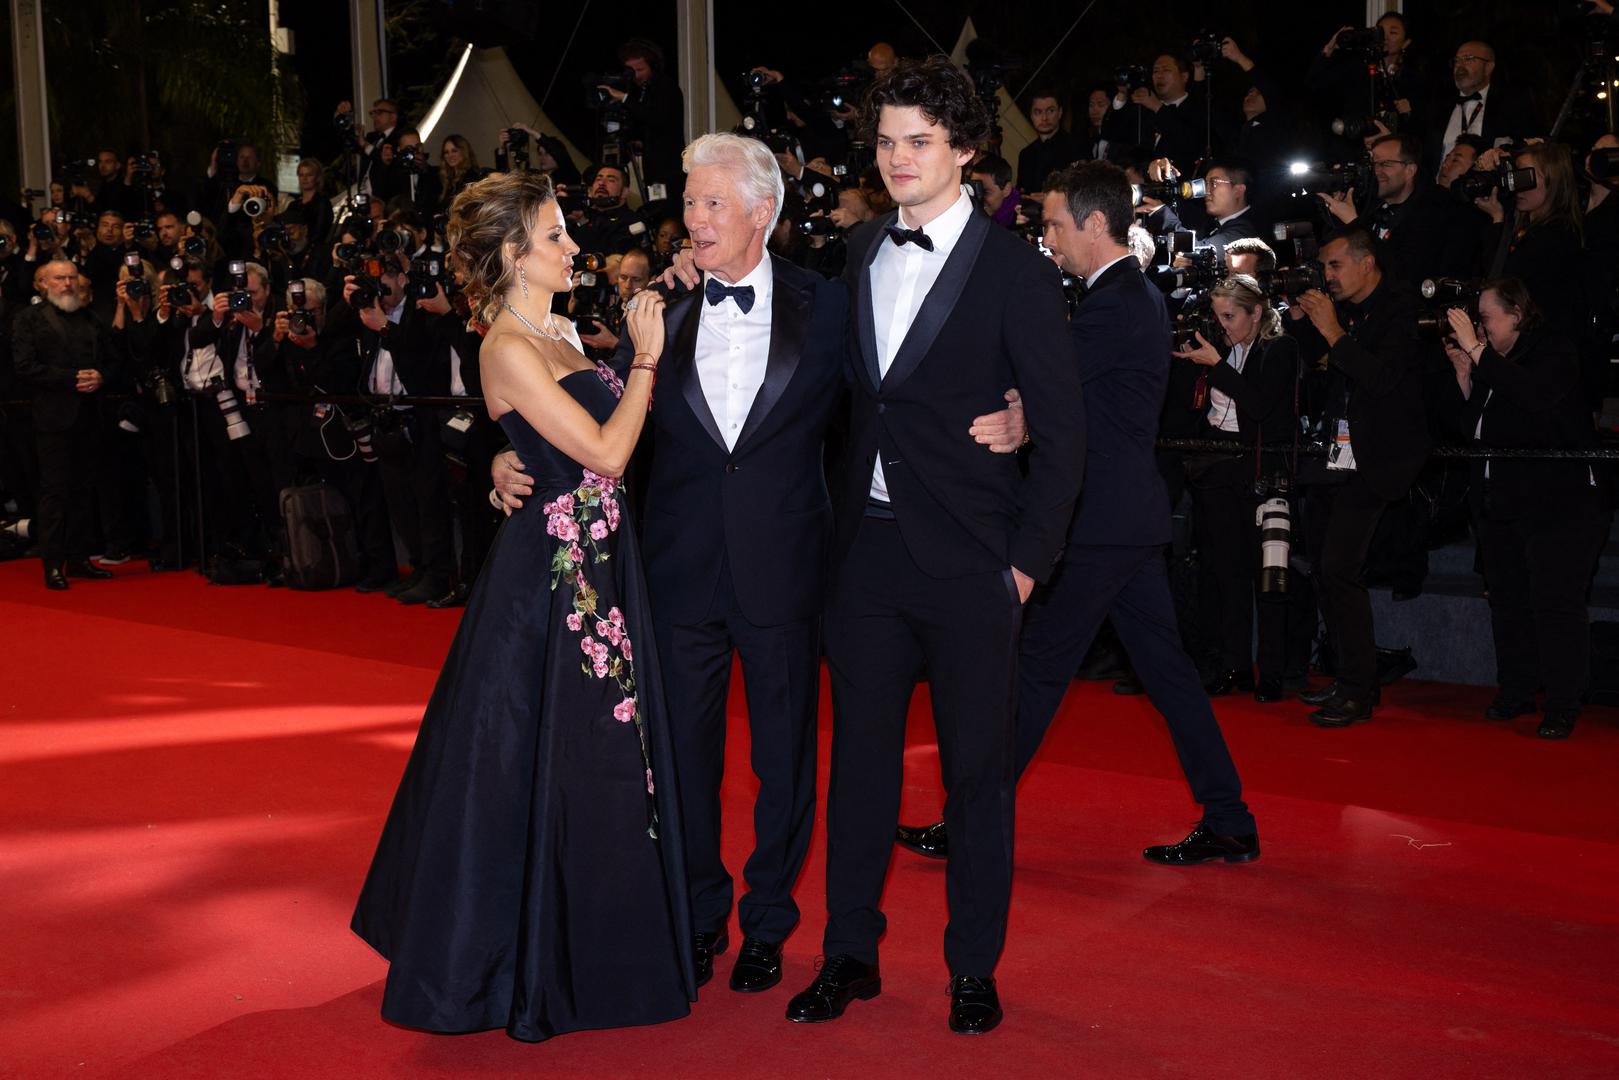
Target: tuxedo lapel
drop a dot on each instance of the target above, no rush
(789, 325)
(684, 343)
(941, 300)
(863, 313)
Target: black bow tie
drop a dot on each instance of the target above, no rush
(716, 290)
(1465, 98)
(901, 237)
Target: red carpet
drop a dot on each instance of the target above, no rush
(192, 779)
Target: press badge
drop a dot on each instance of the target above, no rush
(1342, 454)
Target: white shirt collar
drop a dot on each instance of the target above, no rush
(947, 228)
(1483, 95)
(1096, 275)
(1180, 100)
(1234, 217)
(762, 278)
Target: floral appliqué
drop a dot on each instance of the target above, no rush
(581, 521)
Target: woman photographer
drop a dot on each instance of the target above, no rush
(1543, 522)
(1250, 392)
(458, 167)
(312, 199)
(1540, 242)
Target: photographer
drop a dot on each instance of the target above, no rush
(1422, 233)
(1249, 394)
(657, 110)
(993, 176)
(458, 167)
(1478, 107)
(634, 273)
(1544, 522)
(101, 260)
(123, 471)
(1266, 133)
(393, 337)
(471, 440)
(1375, 426)
(314, 203)
(1227, 203)
(1055, 148)
(62, 354)
(405, 175)
(1374, 70)
(605, 224)
(384, 132)
(226, 178)
(1176, 122)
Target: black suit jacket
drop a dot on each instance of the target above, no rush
(48, 350)
(1263, 390)
(1121, 337)
(1243, 227)
(1429, 235)
(763, 507)
(1506, 116)
(993, 320)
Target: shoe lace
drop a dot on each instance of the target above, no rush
(756, 949)
(830, 969)
(970, 984)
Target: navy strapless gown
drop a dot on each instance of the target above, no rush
(530, 874)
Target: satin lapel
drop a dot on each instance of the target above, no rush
(685, 353)
(940, 301)
(868, 326)
(789, 325)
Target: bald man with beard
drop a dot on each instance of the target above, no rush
(63, 354)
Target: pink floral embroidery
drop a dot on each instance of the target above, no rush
(610, 377)
(582, 521)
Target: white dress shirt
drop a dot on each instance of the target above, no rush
(1472, 123)
(201, 366)
(458, 385)
(384, 379)
(1222, 410)
(732, 350)
(901, 277)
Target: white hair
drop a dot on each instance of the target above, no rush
(750, 161)
(1141, 245)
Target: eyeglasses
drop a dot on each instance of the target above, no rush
(1470, 58)
(384, 112)
(1390, 163)
(1214, 181)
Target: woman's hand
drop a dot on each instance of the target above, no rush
(1461, 328)
(643, 321)
(1204, 354)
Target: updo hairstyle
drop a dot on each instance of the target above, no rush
(487, 216)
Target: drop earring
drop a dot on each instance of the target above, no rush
(522, 280)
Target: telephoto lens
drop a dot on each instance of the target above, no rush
(1275, 520)
(235, 424)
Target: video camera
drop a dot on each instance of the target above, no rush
(622, 80)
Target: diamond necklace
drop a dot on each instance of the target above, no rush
(554, 334)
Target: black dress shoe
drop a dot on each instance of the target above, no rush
(55, 578)
(428, 588)
(1321, 696)
(1267, 691)
(405, 584)
(1394, 665)
(1204, 845)
(1509, 707)
(86, 569)
(376, 583)
(1342, 712)
(1557, 723)
(842, 979)
(1129, 686)
(1227, 681)
(974, 1006)
(929, 840)
(456, 597)
(758, 966)
(704, 948)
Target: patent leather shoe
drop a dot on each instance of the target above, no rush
(1227, 681)
(1509, 707)
(54, 577)
(929, 840)
(405, 584)
(704, 947)
(1342, 712)
(842, 979)
(758, 966)
(456, 597)
(86, 569)
(974, 1006)
(1268, 691)
(1557, 723)
(428, 588)
(1203, 845)
(1321, 696)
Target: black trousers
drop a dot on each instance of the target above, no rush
(781, 669)
(467, 486)
(1351, 512)
(67, 495)
(885, 621)
(361, 484)
(1538, 572)
(415, 481)
(1223, 518)
(1130, 586)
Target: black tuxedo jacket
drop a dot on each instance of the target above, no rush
(1245, 227)
(410, 342)
(1506, 116)
(48, 349)
(1121, 336)
(763, 507)
(993, 320)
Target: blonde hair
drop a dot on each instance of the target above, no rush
(491, 214)
(469, 162)
(1246, 291)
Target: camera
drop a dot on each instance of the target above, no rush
(1198, 320)
(1133, 77)
(162, 388)
(1503, 178)
(300, 322)
(5, 246)
(368, 287)
(235, 424)
(255, 206)
(343, 121)
(426, 275)
(1368, 42)
(135, 286)
(818, 226)
(195, 246)
(1442, 294)
(1170, 244)
(1167, 191)
(145, 229)
(1203, 270)
(1289, 282)
(180, 294)
(392, 241)
(1205, 47)
(273, 239)
(1356, 127)
(225, 155)
(1274, 517)
(817, 193)
(42, 232)
(1332, 178)
(1294, 242)
(238, 298)
(622, 80)
(409, 157)
(359, 429)
(1603, 165)
(847, 88)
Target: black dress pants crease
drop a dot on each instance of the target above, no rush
(414, 480)
(1223, 518)
(1538, 572)
(1352, 512)
(67, 463)
(781, 679)
(885, 622)
(1130, 586)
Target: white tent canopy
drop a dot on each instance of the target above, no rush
(483, 97)
(1016, 131)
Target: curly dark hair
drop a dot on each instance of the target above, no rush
(941, 90)
(489, 216)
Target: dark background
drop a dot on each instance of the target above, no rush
(1537, 48)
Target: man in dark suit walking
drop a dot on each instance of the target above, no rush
(1113, 565)
(938, 543)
